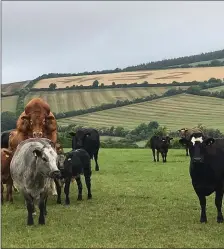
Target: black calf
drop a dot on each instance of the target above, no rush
(76, 162)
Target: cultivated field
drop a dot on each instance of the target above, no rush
(175, 112)
(64, 101)
(136, 204)
(215, 89)
(10, 88)
(9, 103)
(152, 76)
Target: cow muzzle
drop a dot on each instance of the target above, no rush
(55, 174)
(37, 134)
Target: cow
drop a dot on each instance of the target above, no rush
(6, 156)
(73, 164)
(207, 170)
(160, 144)
(88, 139)
(5, 139)
(33, 165)
(186, 133)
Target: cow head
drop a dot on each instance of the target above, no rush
(79, 138)
(165, 142)
(197, 146)
(182, 132)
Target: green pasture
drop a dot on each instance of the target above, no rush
(199, 63)
(8, 104)
(136, 204)
(69, 100)
(215, 89)
(178, 111)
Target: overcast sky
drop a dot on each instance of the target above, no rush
(70, 37)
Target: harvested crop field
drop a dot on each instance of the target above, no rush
(69, 100)
(175, 112)
(215, 89)
(8, 104)
(10, 88)
(152, 76)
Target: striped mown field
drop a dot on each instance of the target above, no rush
(69, 100)
(215, 89)
(178, 111)
(152, 76)
(9, 103)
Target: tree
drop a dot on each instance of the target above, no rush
(95, 83)
(52, 86)
(8, 121)
(153, 125)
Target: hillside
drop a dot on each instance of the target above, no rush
(151, 76)
(174, 112)
(11, 88)
(64, 101)
(215, 89)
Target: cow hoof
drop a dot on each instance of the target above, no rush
(203, 220)
(97, 169)
(58, 201)
(30, 222)
(79, 198)
(67, 202)
(89, 197)
(42, 222)
(220, 219)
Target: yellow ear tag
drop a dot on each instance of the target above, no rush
(7, 155)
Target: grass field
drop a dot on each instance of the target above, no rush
(175, 112)
(136, 204)
(199, 63)
(10, 88)
(64, 101)
(215, 89)
(9, 103)
(152, 76)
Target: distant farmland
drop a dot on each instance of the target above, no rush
(9, 103)
(63, 101)
(200, 63)
(10, 88)
(183, 110)
(152, 76)
(215, 89)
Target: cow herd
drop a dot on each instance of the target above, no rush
(32, 161)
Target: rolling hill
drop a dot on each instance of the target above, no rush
(174, 112)
(151, 76)
(64, 101)
(215, 89)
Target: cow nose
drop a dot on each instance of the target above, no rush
(197, 159)
(37, 134)
(55, 174)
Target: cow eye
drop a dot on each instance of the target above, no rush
(44, 159)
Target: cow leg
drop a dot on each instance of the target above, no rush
(42, 208)
(154, 155)
(66, 190)
(29, 205)
(202, 200)
(58, 188)
(218, 203)
(2, 191)
(96, 161)
(53, 187)
(87, 174)
(9, 190)
(15, 189)
(157, 153)
(187, 151)
(45, 206)
(79, 184)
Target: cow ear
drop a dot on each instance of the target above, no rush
(209, 141)
(72, 133)
(37, 153)
(183, 141)
(25, 117)
(170, 138)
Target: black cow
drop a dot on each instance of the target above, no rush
(73, 164)
(88, 139)
(161, 144)
(207, 170)
(5, 139)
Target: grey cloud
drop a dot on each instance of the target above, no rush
(42, 37)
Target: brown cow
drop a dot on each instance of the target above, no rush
(186, 133)
(6, 156)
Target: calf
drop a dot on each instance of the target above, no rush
(33, 165)
(207, 170)
(75, 163)
(6, 156)
(161, 144)
(88, 139)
